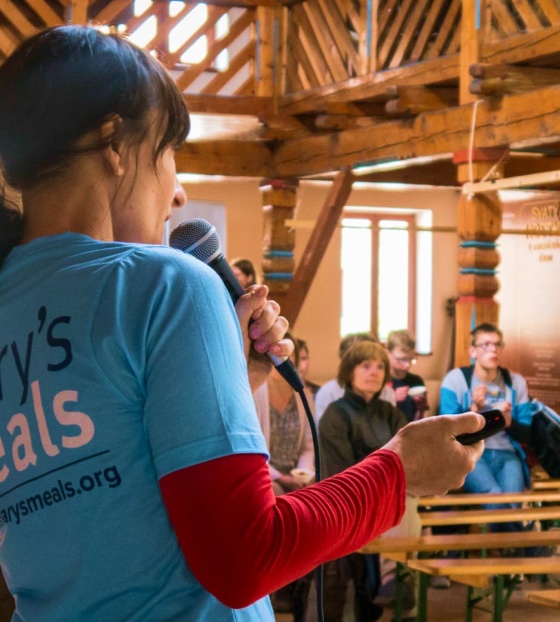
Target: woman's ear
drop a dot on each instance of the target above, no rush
(110, 131)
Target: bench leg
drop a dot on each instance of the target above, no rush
(499, 604)
(400, 575)
(423, 582)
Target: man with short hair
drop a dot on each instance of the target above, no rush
(483, 386)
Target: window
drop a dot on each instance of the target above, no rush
(385, 261)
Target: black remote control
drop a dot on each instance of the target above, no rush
(495, 422)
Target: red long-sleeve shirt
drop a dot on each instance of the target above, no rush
(242, 543)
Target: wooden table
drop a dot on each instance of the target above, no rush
(477, 573)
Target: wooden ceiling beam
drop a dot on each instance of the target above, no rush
(498, 123)
(306, 269)
(414, 100)
(229, 104)
(498, 80)
(354, 90)
(231, 158)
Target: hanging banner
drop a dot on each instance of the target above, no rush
(529, 296)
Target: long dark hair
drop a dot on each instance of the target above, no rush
(64, 82)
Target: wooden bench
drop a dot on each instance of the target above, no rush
(478, 573)
(548, 598)
(530, 496)
(401, 550)
(485, 516)
(545, 484)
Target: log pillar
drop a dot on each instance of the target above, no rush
(279, 197)
(479, 223)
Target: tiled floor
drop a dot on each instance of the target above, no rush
(450, 606)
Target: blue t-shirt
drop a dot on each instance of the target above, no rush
(119, 364)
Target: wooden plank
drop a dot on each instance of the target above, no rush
(528, 15)
(529, 496)
(409, 32)
(551, 10)
(46, 13)
(230, 158)
(340, 34)
(484, 517)
(451, 19)
(508, 79)
(504, 17)
(436, 71)
(418, 99)
(384, 16)
(17, 19)
(487, 566)
(307, 72)
(78, 11)
(543, 484)
(394, 31)
(310, 43)
(522, 47)
(430, 134)
(194, 71)
(110, 13)
(426, 30)
(238, 27)
(228, 104)
(461, 542)
(548, 598)
(309, 263)
(264, 77)
(244, 55)
(318, 30)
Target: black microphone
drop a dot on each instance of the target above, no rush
(199, 238)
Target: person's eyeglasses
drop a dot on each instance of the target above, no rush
(405, 360)
(488, 345)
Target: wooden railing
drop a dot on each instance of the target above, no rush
(219, 50)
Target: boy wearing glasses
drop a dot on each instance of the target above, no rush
(410, 389)
(482, 386)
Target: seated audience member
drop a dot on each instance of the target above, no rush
(245, 272)
(303, 367)
(482, 386)
(332, 390)
(351, 428)
(290, 444)
(402, 354)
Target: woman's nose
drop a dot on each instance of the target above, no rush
(180, 196)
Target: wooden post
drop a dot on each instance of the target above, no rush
(479, 219)
(78, 11)
(265, 70)
(279, 198)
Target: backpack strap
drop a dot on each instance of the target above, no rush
(506, 376)
(469, 370)
(468, 374)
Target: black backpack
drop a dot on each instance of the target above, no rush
(535, 425)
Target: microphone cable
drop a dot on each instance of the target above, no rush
(199, 238)
(313, 427)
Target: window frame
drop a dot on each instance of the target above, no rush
(375, 218)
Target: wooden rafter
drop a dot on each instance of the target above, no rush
(293, 300)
